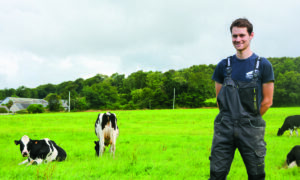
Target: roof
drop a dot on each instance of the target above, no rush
(23, 103)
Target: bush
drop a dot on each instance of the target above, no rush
(35, 108)
(3, 110)
(212, 102)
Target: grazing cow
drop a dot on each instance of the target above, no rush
(107, 131)
(293, 157)
(290, 123)
(38, 151)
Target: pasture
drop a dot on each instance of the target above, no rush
(153, 144)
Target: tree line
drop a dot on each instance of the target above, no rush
(287, 81)
(155, 90)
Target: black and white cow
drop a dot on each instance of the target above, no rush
(38, 151)
(107, 131)
(290, 123)
(293, 157)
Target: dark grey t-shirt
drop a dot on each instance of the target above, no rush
(242, 70)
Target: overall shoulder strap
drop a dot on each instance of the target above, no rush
(256, 69)
(228, 67)
(257, 63)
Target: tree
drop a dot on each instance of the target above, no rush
(287, 89)
(23, 91)
(117, 80)
(79, 85)
(135, 80)
(142, 97)
(44, 90)
(94, 80)
(79, 104)
(54, 102)
(91, 96)
(9, 92)
(9, 104)
(2, 94)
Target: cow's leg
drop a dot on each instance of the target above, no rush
(291, 132)
(35, 162)
(24, 162)
(111, 148)
(39, 161)
(101, 144)
(113, 143)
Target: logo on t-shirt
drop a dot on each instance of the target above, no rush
(249, 75)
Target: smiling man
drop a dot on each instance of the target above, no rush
(244, 85)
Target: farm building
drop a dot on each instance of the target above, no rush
(22, 103)
(64, 103)
(4, 107)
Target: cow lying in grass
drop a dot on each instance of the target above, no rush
(107, 131)
(293, 158)
(39, 151)
(291, 123)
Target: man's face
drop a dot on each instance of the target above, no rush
(240, 38)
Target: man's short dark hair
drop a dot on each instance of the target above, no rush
(242, 22)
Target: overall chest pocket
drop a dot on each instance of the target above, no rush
(248, 93)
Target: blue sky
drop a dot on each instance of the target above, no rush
(60, 40)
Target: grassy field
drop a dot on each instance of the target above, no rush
(153, 144)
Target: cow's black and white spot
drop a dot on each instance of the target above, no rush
(291, 123)
(107, 131)
(293, 157)
(38, 151)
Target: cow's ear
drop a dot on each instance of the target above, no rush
(17, 142)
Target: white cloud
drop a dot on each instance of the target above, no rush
(64, 64)
(100, 64)
(55, 41)
(9, 65)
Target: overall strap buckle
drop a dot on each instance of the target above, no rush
(256, 69)
(228, 68)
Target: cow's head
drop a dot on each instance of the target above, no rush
(25, 144)
(280, 132)
(97, 147)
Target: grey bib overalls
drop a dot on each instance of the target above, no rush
(238, 125)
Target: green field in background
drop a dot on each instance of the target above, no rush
(153, 144)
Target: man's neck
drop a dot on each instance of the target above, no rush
(244, 54)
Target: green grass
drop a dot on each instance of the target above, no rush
(153, 144)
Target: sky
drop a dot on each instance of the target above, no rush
(53, 41)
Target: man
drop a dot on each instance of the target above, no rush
(244, 86)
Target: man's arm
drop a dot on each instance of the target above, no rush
(218, 87)
(267, 93)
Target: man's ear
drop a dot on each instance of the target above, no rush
(251, 35)
(17, 142)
